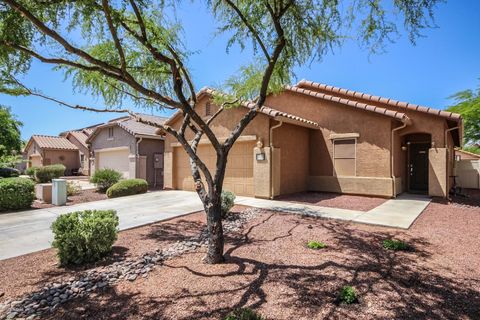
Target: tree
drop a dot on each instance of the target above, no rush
(468, 105)
(133, 49)
(10, 139)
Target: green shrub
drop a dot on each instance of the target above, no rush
(228, 201)
(244, 314)
(84, 236)
(47, 173)
(31, 172)
(396, 245)
(16, 193)
(105, 178)
(127, 188)
(348, 295)
(316, 245)
(72, 188)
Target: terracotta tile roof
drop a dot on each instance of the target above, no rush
(355, 95)
(249, 104)
(134, 127)
(88, 131)
(355, 104)
(52, 142)
(80, 136)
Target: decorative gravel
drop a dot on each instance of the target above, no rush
(51, 296)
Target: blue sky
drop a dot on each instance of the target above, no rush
(447, 60)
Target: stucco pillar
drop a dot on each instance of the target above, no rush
(437, 172)
(168, 170)
(132, 169)
(93, 166)
(261, 172)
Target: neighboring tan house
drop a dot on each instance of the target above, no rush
(128, 146)
(314, 137)
(46, 150)
(467, 169)
(79, 138)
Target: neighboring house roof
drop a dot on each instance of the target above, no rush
(51, 142)
(81, 136)
(335, 91)
(273, 113)
(87, 130)
(132, 126)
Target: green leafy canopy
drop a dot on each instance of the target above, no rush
(468, 105)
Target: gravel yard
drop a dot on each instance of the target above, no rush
(269, 268)
(335, 200)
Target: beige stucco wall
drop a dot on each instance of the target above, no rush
(437, 172)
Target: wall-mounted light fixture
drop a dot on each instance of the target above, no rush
(404, 148)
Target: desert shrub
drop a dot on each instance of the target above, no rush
(396, 245)
(9, 172)
(16, 193)
(72, 188)
(105, 178)
(228, 201)
(348, 295)
(316, 245)
(31, 172)
(127, 187)
(84, 236)
(244, 314)
(47, 173)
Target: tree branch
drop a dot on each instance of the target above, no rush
(113, 32)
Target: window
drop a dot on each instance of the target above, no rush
(82, 158)
(110, 133)
(344, 157)
(208, 109)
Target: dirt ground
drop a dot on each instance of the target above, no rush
(269, 268)
(81, 197)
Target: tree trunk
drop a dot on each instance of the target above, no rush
(215, 232)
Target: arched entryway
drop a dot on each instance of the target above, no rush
(417, 146)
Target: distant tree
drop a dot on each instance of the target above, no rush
(468, 105)
(119, 49)
(10, 139)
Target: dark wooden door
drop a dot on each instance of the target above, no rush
(418, 167)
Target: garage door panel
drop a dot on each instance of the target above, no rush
(116, 160)
(238, 175)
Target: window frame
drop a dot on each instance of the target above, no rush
(355, 157)
(110, 133)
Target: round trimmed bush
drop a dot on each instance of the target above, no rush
(84, 236)
(127, 187)
(47, 173)
(105, 178)
(31, 172)
(228, 201)
(16, 193)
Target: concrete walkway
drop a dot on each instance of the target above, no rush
(400, 212)
(29, 231)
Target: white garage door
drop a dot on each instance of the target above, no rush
(114, 159)
(239, 173)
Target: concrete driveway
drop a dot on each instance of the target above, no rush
(29, 231)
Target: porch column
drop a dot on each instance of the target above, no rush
(437, 172)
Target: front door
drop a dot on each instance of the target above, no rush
(418, 167)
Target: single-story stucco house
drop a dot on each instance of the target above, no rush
(42, 150)
(79, 138)
(314, 137)
(130, 147)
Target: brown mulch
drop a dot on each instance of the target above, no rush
(335, 200)
(269, 268)
(82, 197)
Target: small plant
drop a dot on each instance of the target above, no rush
(31, 172)
(16, 193)
(72, 189)
(316, 245)
(348, 295)
(396, 245)
(105, 178)
(127, 188)
(228, 201)
(84, 236)
(244, 314)
(47, 173)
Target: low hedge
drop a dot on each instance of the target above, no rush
(228, 201)
(31, 172)
(84, 236)
(16, 193)
(47, 173)
(105, 178)
(127, 187)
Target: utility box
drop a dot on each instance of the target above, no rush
(59, 192)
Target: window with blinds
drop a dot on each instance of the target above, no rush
(344, 157)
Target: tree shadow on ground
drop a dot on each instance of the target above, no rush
(394, 285)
